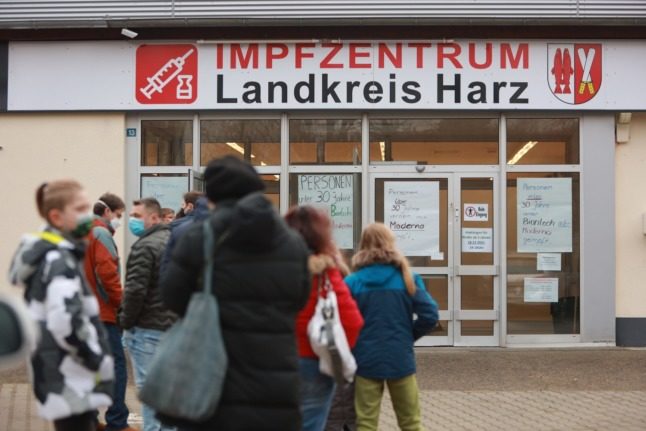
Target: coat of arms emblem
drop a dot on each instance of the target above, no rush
(574, 71)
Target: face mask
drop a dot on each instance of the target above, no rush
(83, 226)
(115, 223)
(136, 226)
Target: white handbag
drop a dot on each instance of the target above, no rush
(327, 336)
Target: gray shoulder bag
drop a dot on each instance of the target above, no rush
(187, 373)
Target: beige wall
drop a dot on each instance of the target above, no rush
(46, 146)
(629, 207)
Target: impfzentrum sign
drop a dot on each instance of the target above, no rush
(320, 75)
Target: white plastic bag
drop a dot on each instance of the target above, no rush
(328, 339)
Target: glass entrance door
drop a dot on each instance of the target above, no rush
(446, 224)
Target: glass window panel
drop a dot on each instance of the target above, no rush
(438, 287)
(434, 141)
(563, 316)
(272, 189)
(325, 142)
(337, 194)
(166, 143)
(257, 141)
(476, 328)
(440, 331)
(478, 191)
(425, 261)
(542, 141)
(476, 292)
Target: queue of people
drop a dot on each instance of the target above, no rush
(267, 278)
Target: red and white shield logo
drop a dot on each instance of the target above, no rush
(574, 71)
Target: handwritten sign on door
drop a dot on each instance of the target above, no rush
(335, 195)
(412, 212)
(544, 215)
(169, 191)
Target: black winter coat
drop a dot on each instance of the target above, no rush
(142, 304)
(261, 281)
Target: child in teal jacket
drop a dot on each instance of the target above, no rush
(389, 297)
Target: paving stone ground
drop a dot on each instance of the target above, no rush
(472, 389)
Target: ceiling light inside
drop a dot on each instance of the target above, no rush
(520, 153)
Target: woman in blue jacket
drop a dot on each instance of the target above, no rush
(389, 296)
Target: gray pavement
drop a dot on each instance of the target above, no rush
(473, 389)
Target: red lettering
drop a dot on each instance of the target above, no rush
(451, 56)
(419, 48)
(506, 54)
(326, 62)
(300, 55)
(244, 58)
(488, 56)
(356, 54)
(271, 56)
(219, 56)
(395, 58)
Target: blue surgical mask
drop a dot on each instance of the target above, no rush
(136, 226)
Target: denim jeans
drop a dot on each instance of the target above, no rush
(142, 344)
(317, 391)
(116, 417)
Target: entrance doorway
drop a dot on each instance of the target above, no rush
(447, 224)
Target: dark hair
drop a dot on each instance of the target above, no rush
(108, 200)
(166, 211)
(151, 204)
(55, 195)
(314, 226)
(192, 197)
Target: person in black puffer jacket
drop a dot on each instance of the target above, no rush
(143, 315)
(261, 281)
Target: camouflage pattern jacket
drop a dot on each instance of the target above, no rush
(72, 368)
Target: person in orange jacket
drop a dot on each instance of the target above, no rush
(317, 389)
(103, 274)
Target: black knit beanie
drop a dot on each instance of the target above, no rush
(230, 178)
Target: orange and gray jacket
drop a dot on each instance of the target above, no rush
(103, 271)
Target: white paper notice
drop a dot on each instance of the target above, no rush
(544, 215)
(548, 261)
(334, 194)
(169, 191)
(541, 290)
(477, 240)
(412, 212)
(476, 212)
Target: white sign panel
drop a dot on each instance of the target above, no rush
(541, 290)
(476, 212)
(548, 261)
(544, 221)
(477, 240)
(169, 191)
(334, 194)
(364, 75)
(412, 212)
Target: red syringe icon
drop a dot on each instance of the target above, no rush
(165, 75)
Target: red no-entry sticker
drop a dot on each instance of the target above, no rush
(166, 74)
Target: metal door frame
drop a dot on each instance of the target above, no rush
(452, 271)
(463, 270)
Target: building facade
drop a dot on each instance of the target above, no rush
(504, 145)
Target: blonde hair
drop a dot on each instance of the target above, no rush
(55, 195)
(377, 245)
